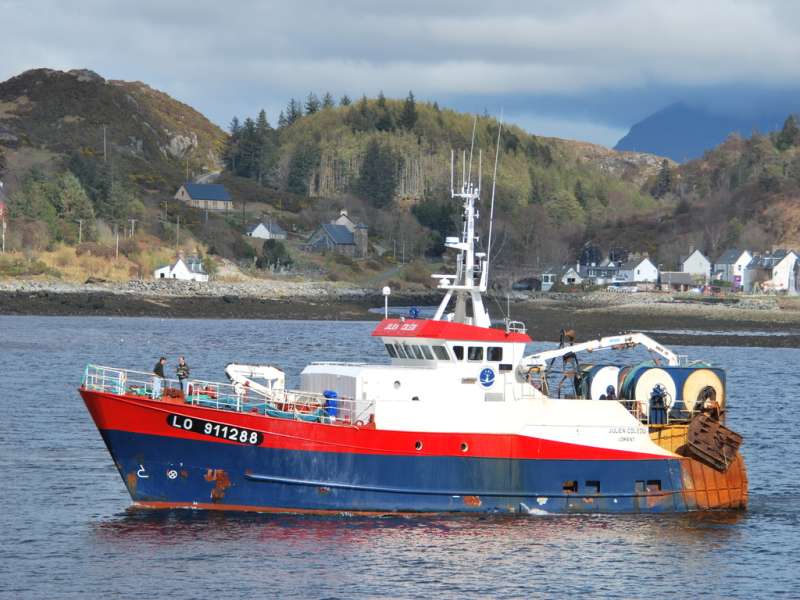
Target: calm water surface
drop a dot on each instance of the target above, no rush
(67, 529)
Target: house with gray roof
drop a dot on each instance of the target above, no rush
(205, 196)
(730, 267)
(776, 271)
(266, 231)
(342, 236)
(677, 280)
(637, 269)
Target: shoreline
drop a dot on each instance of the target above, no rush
(590, 315)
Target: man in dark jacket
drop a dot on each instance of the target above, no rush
(158, 379)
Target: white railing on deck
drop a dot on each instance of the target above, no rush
(287, 404)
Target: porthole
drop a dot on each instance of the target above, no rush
(396, 384)
(418, 445)
(464, 446)
(415, 399)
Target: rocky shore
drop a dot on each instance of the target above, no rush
(674, 319)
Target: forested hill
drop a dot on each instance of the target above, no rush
(75, 147)
(389, 159)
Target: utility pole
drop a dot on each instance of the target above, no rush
(105, 155)
(178, 233)
(133, 226)
(80, 231)
(116, 233)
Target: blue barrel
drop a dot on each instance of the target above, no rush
(331, 403)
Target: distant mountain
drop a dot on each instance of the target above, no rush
(684, 132)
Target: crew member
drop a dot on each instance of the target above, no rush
(158, 377)
(183, 375)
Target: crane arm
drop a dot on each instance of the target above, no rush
(615, 342)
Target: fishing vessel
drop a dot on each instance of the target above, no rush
(459, 418)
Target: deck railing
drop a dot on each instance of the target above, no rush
(286, 404)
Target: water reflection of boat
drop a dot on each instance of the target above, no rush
(461, 420)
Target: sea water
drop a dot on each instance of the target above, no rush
(68, 532)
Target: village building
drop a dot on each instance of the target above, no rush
(190, 269)
(696, 264)
(267, 231)
(637, 270)
(342, 235)
(205, 196)
(730, 267)
(570, 275)
(565, 275)
(679, 281)
(775, 271)
(548, 279)
(600, 274)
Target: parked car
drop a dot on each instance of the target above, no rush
(528, 284)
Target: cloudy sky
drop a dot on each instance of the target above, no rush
(576, 69)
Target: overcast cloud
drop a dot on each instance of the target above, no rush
(575, 69)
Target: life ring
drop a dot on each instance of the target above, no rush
(359, 423)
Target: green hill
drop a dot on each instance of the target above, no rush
(76, 147)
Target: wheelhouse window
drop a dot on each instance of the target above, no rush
(401, 353)
(417, 352)
(426, 352)
(475, 353)
(441, 353)
(494, 354)
(390, 349)
(459, 352)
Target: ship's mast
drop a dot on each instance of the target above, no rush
(470, 279)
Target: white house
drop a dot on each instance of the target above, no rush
(267, 231)
(731, 265)
(191, 270)
(638, 270)
(696, 264)
(775, 271)
(570, 276)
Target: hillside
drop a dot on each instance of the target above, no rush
(46, 115)
(386, 161)
(743, 193)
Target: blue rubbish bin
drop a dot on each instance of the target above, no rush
(331, 403)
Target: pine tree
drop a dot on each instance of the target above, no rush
(267, 150)
(262, 125)
(327, 100)
(282, 120)
(73, 203)
(293, 111)
(385, 121)
(663, 184)
(302, 163)
(408, 118)
(789, 135)
(345, 100)
(234, 126)
(377, 180)
(312, 103)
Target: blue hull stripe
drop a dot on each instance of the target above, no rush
(185, 472)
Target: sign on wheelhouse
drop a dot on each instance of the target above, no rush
(460, 419)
